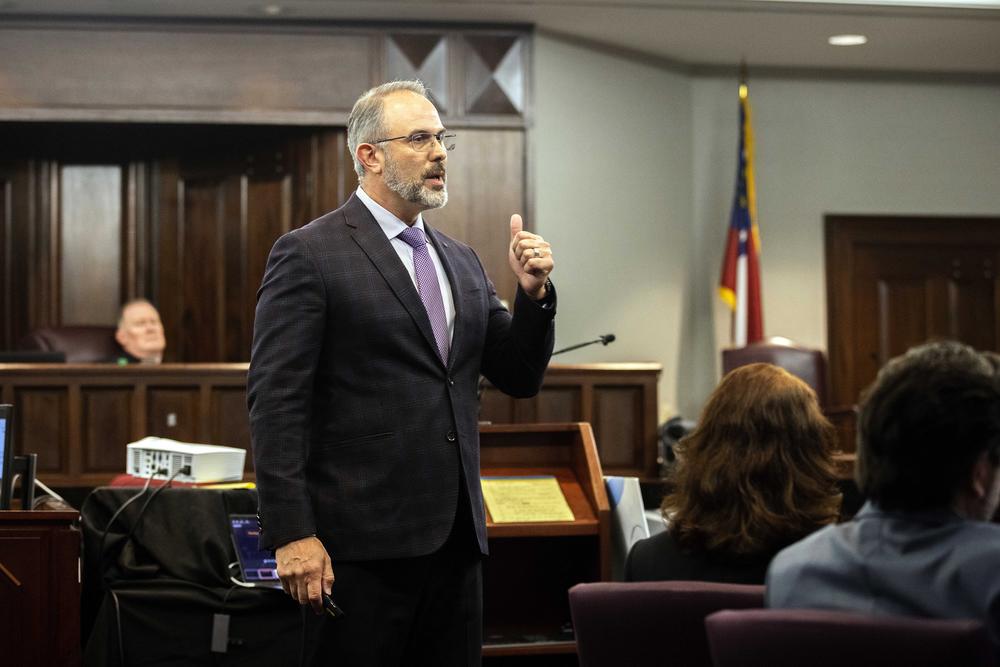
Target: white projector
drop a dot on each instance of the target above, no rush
(209, 463)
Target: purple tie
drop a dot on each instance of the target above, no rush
(429, 287)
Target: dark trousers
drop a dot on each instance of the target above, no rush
(407, 611)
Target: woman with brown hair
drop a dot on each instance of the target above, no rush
(755, 475)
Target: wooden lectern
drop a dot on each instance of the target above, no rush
(532, 566)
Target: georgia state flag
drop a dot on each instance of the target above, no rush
(739, 286)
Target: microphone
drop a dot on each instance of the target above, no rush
(603, 340)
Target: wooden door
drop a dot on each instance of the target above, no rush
(895, 282)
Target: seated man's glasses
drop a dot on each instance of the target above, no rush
(422, 141)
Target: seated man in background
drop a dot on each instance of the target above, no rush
(756, 475)
(928, 455)
(140, 334)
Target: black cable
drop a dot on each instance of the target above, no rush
(118, 621)
(138, 519)
(111, 522)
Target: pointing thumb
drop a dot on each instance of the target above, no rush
(516, 225)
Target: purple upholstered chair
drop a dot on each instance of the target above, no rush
(820, 638)
(651, 622)
(81, 343)
(805, 363)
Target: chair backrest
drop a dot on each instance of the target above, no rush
(820, 638)
(805, 363)
(81, 344)
(651, 622)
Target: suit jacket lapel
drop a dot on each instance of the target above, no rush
(369, 236)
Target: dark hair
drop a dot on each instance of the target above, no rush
(757, 472)
(924, 421)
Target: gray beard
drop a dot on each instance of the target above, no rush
(413, 191)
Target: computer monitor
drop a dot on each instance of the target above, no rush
(32, 357)
(6, 455)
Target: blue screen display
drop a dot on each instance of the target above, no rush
(258, 566)
(3, 443)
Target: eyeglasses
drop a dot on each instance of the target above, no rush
(422, 141)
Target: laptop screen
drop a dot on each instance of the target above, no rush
(3, 444)
(6, 455)
(259, 567)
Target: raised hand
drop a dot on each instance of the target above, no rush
(530, 258)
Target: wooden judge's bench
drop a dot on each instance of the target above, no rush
(78, 418)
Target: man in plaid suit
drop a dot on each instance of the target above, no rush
(370, 335)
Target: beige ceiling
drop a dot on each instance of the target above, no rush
(690, 34)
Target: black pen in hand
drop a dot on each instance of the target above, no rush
(331, 607)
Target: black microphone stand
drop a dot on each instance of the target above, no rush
(603, 340)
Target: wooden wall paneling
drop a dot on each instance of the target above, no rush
(9, 192)
(233, 325)
(217, 225)
(91, 222)
(74, 446)
(138, 251)
(558, 404)
(273, 190)
(496, 407)
(485, 186)
(173, 412)
(619, 400)
(106, 426)
(230, 423)
(45, 246)
(41, 425)
(618, 426)
(205, 209)
(140, 409)
(335, 177)
(167, 266)
(182, 73)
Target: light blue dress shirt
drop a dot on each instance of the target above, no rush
(932, 564)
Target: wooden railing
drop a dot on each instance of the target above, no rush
(78, 418)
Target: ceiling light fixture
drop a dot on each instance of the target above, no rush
(847, 40)
(272, 10)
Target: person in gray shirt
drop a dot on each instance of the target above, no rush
(929, 465)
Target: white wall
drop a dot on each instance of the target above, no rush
(635, 168)
(832, 146)
(612, 151)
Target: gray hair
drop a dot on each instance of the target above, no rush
(365, 124)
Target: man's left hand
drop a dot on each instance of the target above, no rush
(530, 258)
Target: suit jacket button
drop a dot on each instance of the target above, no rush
(451, 436)
(451, 382)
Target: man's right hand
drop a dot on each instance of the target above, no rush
(305, 571)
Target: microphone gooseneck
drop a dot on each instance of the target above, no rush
(603, 340)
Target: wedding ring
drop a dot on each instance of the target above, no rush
(537, 254)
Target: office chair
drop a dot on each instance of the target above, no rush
(81, 343)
